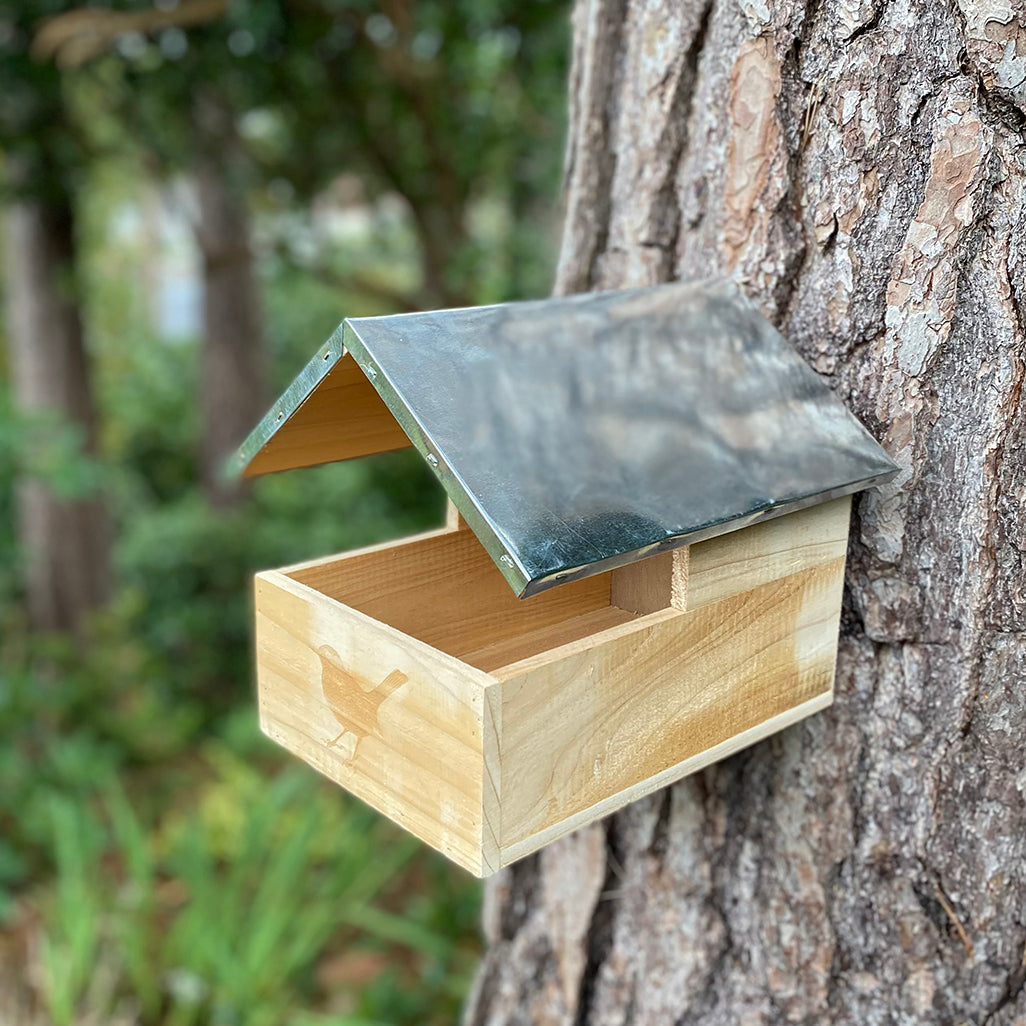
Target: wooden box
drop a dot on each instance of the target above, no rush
(488, 726)
(656, 492)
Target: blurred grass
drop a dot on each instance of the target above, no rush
(203, 877)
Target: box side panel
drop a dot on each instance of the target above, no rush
(391, 720)
(588, 729)
(454, 518)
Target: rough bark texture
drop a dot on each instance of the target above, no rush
(859, 166)
(65, 543)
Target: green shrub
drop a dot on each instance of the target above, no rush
(221, 906)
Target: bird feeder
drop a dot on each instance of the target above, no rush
(645, 574)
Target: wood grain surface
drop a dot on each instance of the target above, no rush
(411, 675)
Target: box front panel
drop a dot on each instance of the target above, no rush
(393, 721)
(587, 728)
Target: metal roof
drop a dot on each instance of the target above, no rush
(582, 433)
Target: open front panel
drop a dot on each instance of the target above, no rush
(588, 729)
(593, 725)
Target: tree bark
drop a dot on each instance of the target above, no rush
(232, 387)
(65, 542)
(859, 167)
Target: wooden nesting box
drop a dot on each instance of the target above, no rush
(645, 575)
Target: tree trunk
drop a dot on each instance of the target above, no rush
(65, 542)
(859, 167)
(232, 387)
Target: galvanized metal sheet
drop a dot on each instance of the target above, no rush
(579, 434)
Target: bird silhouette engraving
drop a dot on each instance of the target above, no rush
(354, 701)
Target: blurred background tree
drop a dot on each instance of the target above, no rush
(296, 93)
(62, 530)
(194, 193)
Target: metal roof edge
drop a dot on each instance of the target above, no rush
(701, 534)
(300, 389)
(487, 532)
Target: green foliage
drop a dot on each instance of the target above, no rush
(186, 569)
(71, 949)
(174, 859)
(451, 106)
(47, 449)
(170, 865)
(205, 878)
(44, 150)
